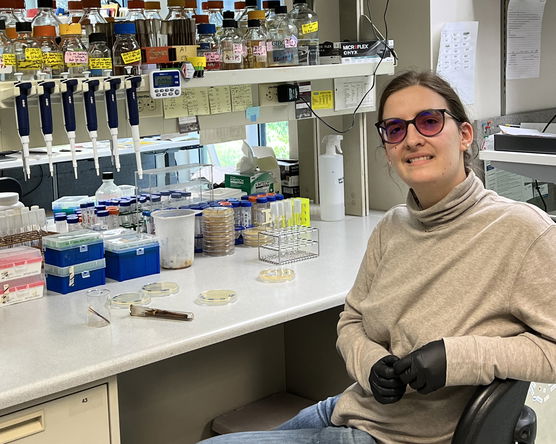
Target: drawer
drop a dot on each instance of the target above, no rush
(81, 417)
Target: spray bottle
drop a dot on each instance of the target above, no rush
(331, 179)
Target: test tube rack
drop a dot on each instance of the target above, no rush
(29, 237)
(287, 245)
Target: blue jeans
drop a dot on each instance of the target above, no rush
(311, 425)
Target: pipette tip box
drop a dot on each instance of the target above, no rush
(65, 249)
(75, 277)
(132, 256)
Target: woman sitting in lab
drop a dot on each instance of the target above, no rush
(456, 288)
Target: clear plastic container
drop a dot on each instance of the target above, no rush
(27, 51)
(255, 42)
(46, 16)
(19, 262)
(77, 268)
(108, 190)
(69, 204)
(283, 38)
(232, 47)
(175, 232)
(307, 23)
(208, 46)
(7, 55)
(76, 239)
(76, 58)
(126, 51)
(100, 56)
(52, 55)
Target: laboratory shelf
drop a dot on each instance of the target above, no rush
(291, 74)
(538, 166)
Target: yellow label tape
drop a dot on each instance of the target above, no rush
(131, 56)
(100, 63)
(309, 28)
(53, 59)
(8, 59)
(33, 54)
(32, 64)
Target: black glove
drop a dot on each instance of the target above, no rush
(387, 388)
(425, 368)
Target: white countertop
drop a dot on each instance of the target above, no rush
(46, 346)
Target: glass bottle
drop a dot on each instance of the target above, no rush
(282, 47)
(190, 8)
(255, 41)
(126, 51)
(92, 20)
(177, 24)
(269, 7)
(239, 7)
(176, 10)
(214, 10)
(153, 25)
(258, 14)
(52, 56)
(108, 190)
(100, 56)
(136, 14)
(20, 11)
(27, 52)
(75, 12)
(307, 23)
(7, 14)
(46, 16)
(208, 46)
(231, 46)
(242, 21)
(76, 59)
(7, 55)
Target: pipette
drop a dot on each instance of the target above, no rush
(22, 117)
(69, 86)
(90, 86)
(112, 85)
(46, 88)
(131, 85)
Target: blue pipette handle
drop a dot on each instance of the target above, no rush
(132, 104)
(22, 109)
(111, 103)
(45, 104)
(68, 104)
(90, 105)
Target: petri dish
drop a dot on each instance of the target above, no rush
(159, 289)
(277, 275)
(216, 297)
(124, 300)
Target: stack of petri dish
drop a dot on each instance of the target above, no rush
(251, 236)
(218, 231)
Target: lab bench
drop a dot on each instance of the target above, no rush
(173, 377)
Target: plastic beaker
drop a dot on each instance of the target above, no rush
(175, 230)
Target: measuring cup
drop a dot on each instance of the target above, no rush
(175, 230)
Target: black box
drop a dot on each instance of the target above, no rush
(525, 144)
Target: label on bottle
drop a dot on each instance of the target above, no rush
(239, 49)
(76, 58)
(291, 42)
(259, 50)
(232, 57)
(212, 57)
(53, 59)
(33, 54)
(131, 56)
(310, 28)
(100, 63)
(4, 67)
(8, 59)
(27, 65)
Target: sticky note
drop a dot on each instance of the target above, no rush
(242, 97)
(322, 99)
(197, 101)
(252, 113)
(220, 99)
(175, 107)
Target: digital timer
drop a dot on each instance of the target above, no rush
(165, 83)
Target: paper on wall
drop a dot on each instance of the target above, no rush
(348, 92)
(523, 39)
(456, 58)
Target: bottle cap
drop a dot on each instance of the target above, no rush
(125, 203)
(103, 213)
(239, 5)
(152, 5)
(201, 18)
(165, 193)
(180, 3)
(191, 4)
(135, 4)
(246, 203)
(229, 23)
(19, 4)
(2, 25)
(97, 37)
(206, 28)
(90, 4)
(72, 5)
(295, 2)
(281, 10)
(251, 3)
(124, 28)
(73, 219)
(279, 196)
(262, 200)
(257, 15)
(272, 4)
(271, 198)
(107, 175)
(205, 6)
(253, 23)
(216, 4)
(23, 27)
(44, 4)
(60, 216)
(70, 29)
(44, 31)
(229, 15)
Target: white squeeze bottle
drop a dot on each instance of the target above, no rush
(331, 179)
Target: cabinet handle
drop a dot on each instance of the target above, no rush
(21, 427)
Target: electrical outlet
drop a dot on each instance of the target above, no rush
(149, 107)
(268, 94)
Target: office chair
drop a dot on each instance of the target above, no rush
(9, 184)
(496, 414)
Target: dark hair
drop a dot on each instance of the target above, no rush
(435, 83)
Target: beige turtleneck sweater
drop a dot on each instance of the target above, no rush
(475, 269)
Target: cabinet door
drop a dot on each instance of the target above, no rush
(78, 418)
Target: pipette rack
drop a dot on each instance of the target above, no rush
(287, 245)
(23, 238)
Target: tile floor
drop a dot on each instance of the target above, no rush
(546, 411)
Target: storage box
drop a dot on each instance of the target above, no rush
(132, 256)
(69, 204)
(65, 249)
(259, 182)
(22, 289)
(75, 277)
(19, 262)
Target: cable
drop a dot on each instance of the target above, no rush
(548, 124)
(540, 194)
(38, 185)
(387, 48)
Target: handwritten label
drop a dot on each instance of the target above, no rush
(8, 59)
(232, 57)
(33, 54)
(100, 63)
(212, 57)
(28, 65)
(131, 56)
(310, 28)
(291, 42)
(259, 50)
(76, 58)
(53, 59)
